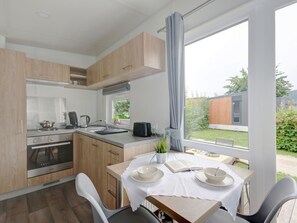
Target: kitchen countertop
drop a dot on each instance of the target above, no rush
(123, 140)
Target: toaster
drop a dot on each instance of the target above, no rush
(142, 129)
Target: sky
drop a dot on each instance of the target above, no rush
(211, 61)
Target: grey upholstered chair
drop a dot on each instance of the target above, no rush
(283, 191)
(86, 189)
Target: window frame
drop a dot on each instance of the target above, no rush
(110, 109)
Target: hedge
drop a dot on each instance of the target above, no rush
(286, 129)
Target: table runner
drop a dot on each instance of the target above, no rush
(182, 184)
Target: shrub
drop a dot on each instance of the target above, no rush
(286, 129)
(196, 115)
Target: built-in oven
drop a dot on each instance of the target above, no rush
(49, 153)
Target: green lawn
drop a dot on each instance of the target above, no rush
(239, 138)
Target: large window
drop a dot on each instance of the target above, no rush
(216, 83)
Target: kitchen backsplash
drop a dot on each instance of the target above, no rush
(45, 108)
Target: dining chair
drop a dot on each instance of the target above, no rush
(85, 188)
(282, 191)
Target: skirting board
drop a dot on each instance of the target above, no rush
(28, 190)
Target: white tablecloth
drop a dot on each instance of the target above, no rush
(182, 184)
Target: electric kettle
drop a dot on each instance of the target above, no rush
(84, 121)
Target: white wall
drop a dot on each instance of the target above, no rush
(149, 101)
(80, 101)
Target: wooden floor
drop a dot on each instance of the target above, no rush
(61, 204)
(56, 204)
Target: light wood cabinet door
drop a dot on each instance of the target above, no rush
(109, 66)
(94, 73)
(131, 55)
(82, 157)
(98, 167)
(13, 151)
(43, 70)
(113, 155)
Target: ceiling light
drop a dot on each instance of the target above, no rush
(43, 14)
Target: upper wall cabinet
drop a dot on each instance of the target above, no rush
(141, 56)
(42, 70)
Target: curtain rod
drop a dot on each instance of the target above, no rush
(190, 13)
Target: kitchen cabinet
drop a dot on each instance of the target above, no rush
(141, 56)
(13, 153)
(92, 156)
(93, 73)
(43, 70)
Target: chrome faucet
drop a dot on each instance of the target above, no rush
(105, 123)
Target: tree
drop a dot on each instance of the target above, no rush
(121, 108)
(240, 83)
(283, 87)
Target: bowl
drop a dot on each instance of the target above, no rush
(214, 175)
(147, 172)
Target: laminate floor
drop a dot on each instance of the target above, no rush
(57, 204)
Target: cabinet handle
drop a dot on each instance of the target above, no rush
(126, 67)
(112, 193)
(113, 153)
(94, 145)
(108, 164)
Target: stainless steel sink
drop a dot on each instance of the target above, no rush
(110, 131)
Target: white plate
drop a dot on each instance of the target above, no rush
(158, 176)
(228, 181)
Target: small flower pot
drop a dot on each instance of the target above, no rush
(161, 157)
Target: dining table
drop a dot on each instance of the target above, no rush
(180, 208)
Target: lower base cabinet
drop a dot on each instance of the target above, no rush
(92, 156)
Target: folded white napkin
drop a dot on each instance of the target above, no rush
(182, 184)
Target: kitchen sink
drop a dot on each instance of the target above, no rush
(110, 131)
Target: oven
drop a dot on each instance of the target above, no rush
(49, 153)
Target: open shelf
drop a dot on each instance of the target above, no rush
(78, 76)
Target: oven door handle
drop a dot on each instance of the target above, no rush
(51, 145)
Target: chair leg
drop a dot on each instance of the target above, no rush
(247, 192)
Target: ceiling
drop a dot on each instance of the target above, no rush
(77, 26)
(89, 26)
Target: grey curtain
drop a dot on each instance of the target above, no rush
(175, 63)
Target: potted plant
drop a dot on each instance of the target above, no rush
(116, 120)
(161, 150)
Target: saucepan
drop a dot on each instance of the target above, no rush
(46, 124)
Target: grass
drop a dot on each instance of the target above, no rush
(240, 138)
